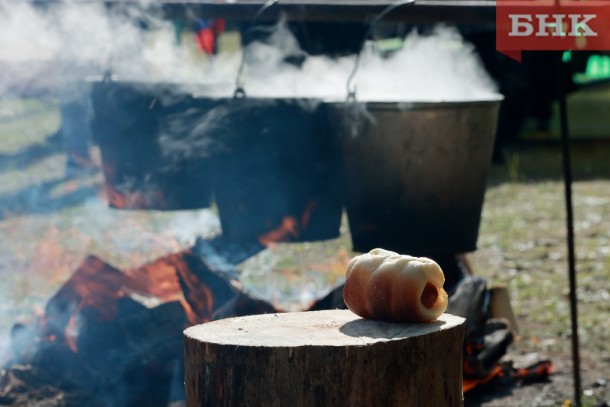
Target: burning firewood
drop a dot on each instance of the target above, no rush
(119, 333)
(98, 336)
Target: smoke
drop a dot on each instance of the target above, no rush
(436, 67)
(439, 66)
(44, 43)
(70, 41)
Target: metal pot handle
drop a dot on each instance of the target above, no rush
(239, 85)
(351, 90)
(107, 76)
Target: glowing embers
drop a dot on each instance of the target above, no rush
(281, 179)
(145, 133)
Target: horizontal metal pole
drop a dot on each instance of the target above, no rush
(423, 11)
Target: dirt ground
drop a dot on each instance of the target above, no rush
(49, 222)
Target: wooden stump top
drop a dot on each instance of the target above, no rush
(323, 358)
(313, 328)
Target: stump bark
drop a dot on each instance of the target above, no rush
(323, 358)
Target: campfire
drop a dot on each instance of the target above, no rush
(114, 337)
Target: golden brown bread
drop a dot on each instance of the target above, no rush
(398, 288)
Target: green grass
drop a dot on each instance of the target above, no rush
(24, 122)
(522, 245)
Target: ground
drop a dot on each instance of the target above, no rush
(49, 222)
(522, 245)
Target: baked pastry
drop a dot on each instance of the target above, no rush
(391, 287)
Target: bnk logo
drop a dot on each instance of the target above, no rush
(544, 25)
(551, 25)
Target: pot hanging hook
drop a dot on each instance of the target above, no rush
(239, 85)
(351, 90)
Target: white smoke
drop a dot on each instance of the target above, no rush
(135, 43)
(437, 67)
(68, 41)
(440, 66)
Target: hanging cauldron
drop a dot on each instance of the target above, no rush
(416, 172)
(145, 132)
(280, 176)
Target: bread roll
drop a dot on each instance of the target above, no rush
(391, 287)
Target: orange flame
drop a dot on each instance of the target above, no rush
(98, 285)
(289, 227)
(162, 279)
(133, 199)
(311, 206)
(147, 196)
(469, 384)
(95, 284)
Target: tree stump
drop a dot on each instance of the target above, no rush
(323, 358)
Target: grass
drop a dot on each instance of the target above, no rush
(522, 245)
(24, 122)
